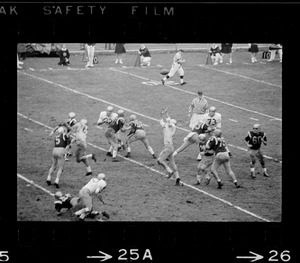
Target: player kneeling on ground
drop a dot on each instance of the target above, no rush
(92, 188)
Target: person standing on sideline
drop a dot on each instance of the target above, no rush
(169, 128)
(215, 53)
(226, 48)
(145, 56)
(276, 48)
(197, 109)
(218, 144)
(253, 49)
(90, 47)
(119, 50)
(64, 56)
(253, 140)
(176, 67)
(61, 141)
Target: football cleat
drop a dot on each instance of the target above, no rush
(56, 185)
(183, 83)
(170, 174)
(109, 154)
(198, 182)
(178, 182)
(48, 182)
(88, 173)
(115, 159)
(237, 185)
(252, 175)
(207, 181)
(220, 184)
(94, 157)
(162, 82)
(266, 175)
(128, 155)
(154, 156)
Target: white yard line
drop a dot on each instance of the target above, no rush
(240, 76)
(118, 106)
(149, 168)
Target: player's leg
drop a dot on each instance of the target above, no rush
(170, 74)
(214, 167)
(145, 141)
(181, 75)
(60, 165)
(87, 202)
(187, 141)
(202, 170)
(175, 173)
(229, 171)
(161, 160)
(132, 138)
(261, 160)
(252, 154)
(53, 166)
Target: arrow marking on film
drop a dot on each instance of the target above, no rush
(254, 258)
(102, 257)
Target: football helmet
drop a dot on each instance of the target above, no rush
(173, 121)
(72, 115)
(110, 108)
(120, 112)
(101, 176)
(132, 117)
(84, 122)
(217, 132)
(58, 195)
(256, 127)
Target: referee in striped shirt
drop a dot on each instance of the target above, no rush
(198, 107)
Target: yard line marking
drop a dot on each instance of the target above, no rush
(253, 119)
(109, 103)
(127, 73)
(233, 120)
(193, 93)
(28, 129)
(32, 69)
(151, 169)
(36, 185)
(241, 76)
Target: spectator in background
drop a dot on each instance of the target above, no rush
(226, 48)
(253, 48)
(108, 45)
(145, 56)
(64, 56)
(82, 46)
(90, 51)
(119, 50)
(275, 48)
(215, 54)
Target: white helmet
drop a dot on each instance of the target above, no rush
(120, 112)
(173, 121)
(84, 122)
(61, 129)
(132, 117)
(72, 115)
(110, 108)
(57, 195)
(212, 108)
(256, 127)
(101, 176)
(202, 137)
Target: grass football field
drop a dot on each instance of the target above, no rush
(137, 189)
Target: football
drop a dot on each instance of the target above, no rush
(164, 72)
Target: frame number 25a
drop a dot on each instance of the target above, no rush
(134, 254)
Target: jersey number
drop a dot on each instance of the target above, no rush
(212, 121)
(57, 140)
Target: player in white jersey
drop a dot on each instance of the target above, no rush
(108, 117)
(176, 67)
(80, 130)
(213, 120)
(197, 109)
(169, 128)
(92, 188)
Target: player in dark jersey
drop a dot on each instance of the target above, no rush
(110, 133)
(61, 141)
(253, 140)
(136, 133)
(193, 136)
(218, 144)
(64, 202)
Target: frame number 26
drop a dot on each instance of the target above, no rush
(4, 256)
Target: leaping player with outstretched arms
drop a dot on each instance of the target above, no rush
(169, 128)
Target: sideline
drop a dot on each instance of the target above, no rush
(151, 169)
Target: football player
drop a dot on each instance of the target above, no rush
(81, 129)
(193, 136)
(176, 67)
(64, 202)
(137, 133)
(206, 160)
(111, 131)
(61, 141)
(169, 129)
(253, 140)
(93, 188)
(107, 117)
(218, 145)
